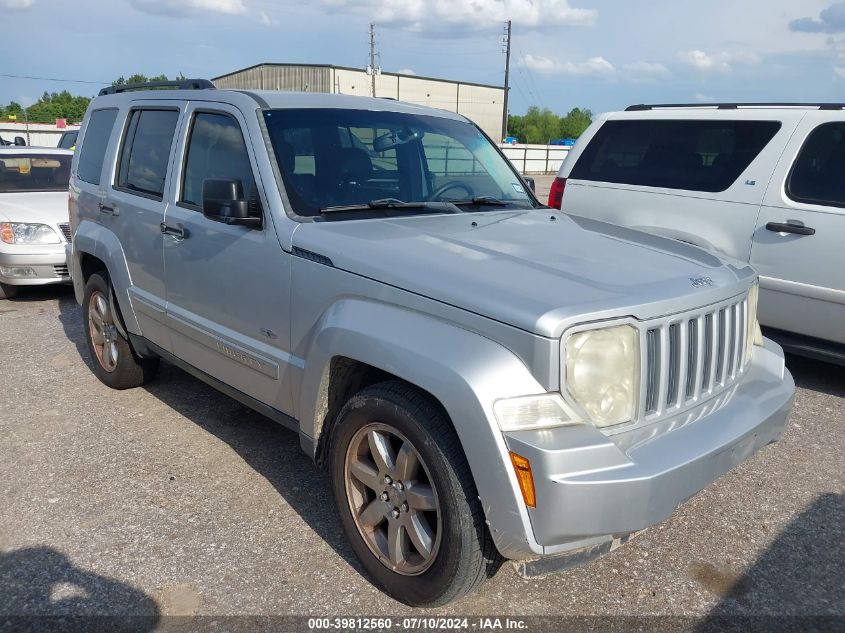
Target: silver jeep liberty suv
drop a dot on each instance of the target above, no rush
(485, 378)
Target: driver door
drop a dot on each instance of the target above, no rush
(228, 286)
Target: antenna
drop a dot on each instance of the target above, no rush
(506, 42)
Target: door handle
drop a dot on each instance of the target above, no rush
(104, 208)
(788, 227)
(174, 230)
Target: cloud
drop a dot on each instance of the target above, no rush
(702, 98)
(449, 16)
(720, 62)
(267, 19)
(17, 5)
(406, 71)
(186, 8)
(592, 66)
(831, 20)
(647, 70)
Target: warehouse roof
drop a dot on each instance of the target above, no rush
(451, 81)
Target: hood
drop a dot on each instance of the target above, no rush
(44, 207)
(536, 270)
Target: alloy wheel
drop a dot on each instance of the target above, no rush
(103, 331)
(392, 499)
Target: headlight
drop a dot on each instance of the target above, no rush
(753, 334)
(532, 412)
(603, 373)
(23, 233)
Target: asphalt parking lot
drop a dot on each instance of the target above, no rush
(174, 499)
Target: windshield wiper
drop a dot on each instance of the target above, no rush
(481, 200)
(393, 203)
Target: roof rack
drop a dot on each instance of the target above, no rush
(180, 84)
(734, 106)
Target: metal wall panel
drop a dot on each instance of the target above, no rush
(297, 78)
(481, 104)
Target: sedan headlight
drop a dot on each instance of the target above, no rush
(25, 233)
(753, 334)
(603, 373)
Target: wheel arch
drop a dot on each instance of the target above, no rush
(360, 342)
(97, 248)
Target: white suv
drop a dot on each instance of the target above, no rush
(764, 183)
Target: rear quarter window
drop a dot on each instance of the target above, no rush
(94, 145)
(818, 175)
(694, 155)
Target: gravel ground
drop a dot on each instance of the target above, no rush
(173, 499)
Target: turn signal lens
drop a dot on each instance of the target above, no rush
(524, 413)
(753, 335)
(522, 467)
(6, 233)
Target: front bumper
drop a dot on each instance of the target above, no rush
(592, 488)
(47, 265)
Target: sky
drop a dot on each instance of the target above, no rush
(596, 54)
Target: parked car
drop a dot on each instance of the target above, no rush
(33, 217)
(761, 183)
(483, 378)
(68, 139)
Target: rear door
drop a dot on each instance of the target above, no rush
(798, 242)
(135, 207)
(228, 286)
(698, 180)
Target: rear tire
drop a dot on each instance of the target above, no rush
(406, 497)
(115, 362)
(8, 292)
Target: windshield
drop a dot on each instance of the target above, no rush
(34, 172)
(339, 158)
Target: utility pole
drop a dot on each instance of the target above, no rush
(507, 51)
(373, 56)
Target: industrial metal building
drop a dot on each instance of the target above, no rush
(480, 103)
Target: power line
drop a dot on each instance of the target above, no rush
(71, 81)
(531, 78)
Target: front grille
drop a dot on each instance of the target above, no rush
(61, 271)
(692, 356)
(66, 231)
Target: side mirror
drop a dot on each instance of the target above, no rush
(223, 201)
(530, 182)
(20, 140)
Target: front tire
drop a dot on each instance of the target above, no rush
(8, 292)
(115, 362)
(406, 497)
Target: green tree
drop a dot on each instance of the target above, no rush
(141, 79)
(63, 105)
(541, 126)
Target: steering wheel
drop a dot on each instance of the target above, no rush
(437, 194)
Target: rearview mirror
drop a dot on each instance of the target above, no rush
(223, 201)
(395, 138)
(20, 140)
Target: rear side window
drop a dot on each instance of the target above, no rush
(818, 176)
(94, 145)
(146, 151)
(673, 154)
(216, 150)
